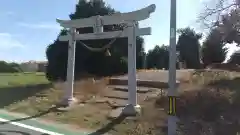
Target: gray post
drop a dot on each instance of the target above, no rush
(132, 107)
(132, 83)
(68, 97)
(172, 126)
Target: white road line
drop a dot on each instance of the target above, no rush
(31, 127)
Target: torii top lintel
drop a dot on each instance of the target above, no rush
(117, 18)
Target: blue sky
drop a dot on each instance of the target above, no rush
(28, 26)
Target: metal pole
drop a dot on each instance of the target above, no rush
(172, 125)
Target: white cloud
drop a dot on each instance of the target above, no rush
(5, 35)
(8, 42)
(52, 26)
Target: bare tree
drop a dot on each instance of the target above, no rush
(213, 10)
(225, 16)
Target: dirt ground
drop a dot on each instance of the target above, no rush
(207, 104)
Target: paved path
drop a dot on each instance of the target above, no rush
(13, 125)
(9, 129)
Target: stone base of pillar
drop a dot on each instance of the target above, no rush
(131, 110)
(67, 104)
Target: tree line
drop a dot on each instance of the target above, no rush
(194, 54)
(191, 52)
(9, 67)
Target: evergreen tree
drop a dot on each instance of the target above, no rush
(158, 57)
(235, 58)
(9, 67)
(213, 49)
(87, 61)
(189, 47)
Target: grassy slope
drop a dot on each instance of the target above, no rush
(34, 95)
(18, 79)
(208, 102)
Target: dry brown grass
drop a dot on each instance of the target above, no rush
(224, 66)
(87, 116)
(208, 104)
(87, 88)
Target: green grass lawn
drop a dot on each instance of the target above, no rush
(16, 87)
(21, 79)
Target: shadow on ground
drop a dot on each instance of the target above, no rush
(5, 132)
(100, 131)
(213, 110)
(52, 109)
(9, 95)
(109, 126)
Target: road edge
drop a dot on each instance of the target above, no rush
(39, 123)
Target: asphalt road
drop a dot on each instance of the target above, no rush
(9, 129)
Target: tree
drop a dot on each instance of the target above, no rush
(213, 10)
(158, 57)
(15, 66)
(87, 61)
(229, 26)
(8, 67)
(213, 49)
(235, 58)
(188, 46)
(226, 16)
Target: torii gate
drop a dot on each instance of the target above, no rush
(97, 22)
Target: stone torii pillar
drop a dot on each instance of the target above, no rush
(97, 22)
